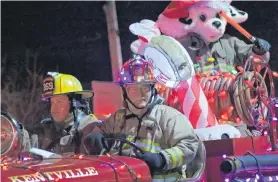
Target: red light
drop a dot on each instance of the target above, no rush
(139, 176)
(212, 93)
(122, 167)
(233, 77)
(222, 94)
(211, 101)
(239, 68)
(259, 68)
(249, 83)
(231, 108)
(261, 121)
(5, 168)
(257, 60)
(275, 74)
(252, 101)
(81, 157)
(225, 117)
(227, 74)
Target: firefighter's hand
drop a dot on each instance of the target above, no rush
(93, 143)
(155, 161)
(261, 47)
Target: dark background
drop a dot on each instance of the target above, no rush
(71, 37)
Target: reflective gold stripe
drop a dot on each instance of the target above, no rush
(208, 69)
(179, 155)
(225, 67)
(166, 177)
(148, 145)
(221, 66)
(93, 116)
(176, 156)
(144, 144)
(129, 138)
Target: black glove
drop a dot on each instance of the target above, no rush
(261, 47)
(93, 143)
(155, 161)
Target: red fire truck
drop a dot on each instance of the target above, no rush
(242, 159)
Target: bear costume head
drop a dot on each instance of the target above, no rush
(199, 17)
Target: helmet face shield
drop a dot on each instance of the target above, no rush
(136, 71)
(138, 90)
(139, 95)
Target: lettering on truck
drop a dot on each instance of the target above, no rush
(55, 175)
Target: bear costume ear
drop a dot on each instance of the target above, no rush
(180, 29)
(237, 15)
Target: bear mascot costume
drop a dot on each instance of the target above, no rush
(203, 62)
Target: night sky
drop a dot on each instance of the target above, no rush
(71, 37)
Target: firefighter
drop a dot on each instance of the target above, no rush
(69, 123)
(165, 134)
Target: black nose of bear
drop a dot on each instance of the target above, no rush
(216, 24)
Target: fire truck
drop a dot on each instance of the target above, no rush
(240, 159)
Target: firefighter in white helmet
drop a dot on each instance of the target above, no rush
(166, 135)
(70, 115)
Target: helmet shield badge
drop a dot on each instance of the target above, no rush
(48, 87)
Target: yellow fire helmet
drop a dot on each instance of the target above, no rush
(62, 84)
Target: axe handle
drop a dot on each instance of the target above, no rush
(238, 27)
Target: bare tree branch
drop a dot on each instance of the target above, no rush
(21, 95)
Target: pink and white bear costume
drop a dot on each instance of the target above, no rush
(199, 29)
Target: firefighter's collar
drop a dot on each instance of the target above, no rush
(66, 124)
(130, 111)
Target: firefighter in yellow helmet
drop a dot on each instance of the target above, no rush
(70, 115)
(164, 134)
